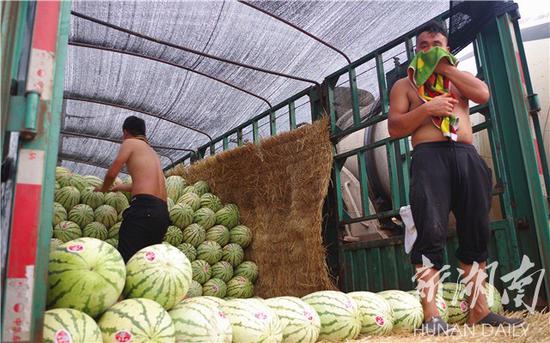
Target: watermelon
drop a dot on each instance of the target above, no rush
(95, 230)
(201, 187)
(222, 270)
(210, 201)
(92, 198)
(169, 203)
(240, 287)
(120, 216)
(66, 231)
(439, 302)
(228, 216)
(68, 197)
(458, 308)
(190, 199)
(114, 230)
(106, 215)
(376, 313)
(195, 290)
(118, 181)
(205, 217)
(407, 310)
(233, 253)
(189, 251)
(64, 180)
(253, 321)
(78, 181)
(215, 288)
(248, 269)
(494, 299)
(127, 181)
(68, 325)
(173, 235)
(57, 185)
(201, 271)
(60, 172)
(54, 242)
(117, 200)
(137, 321)
(59, 213)
(218, 234)
(93, 181)
(194, 234)
(188, 189)
(181, 215)
(112, 241)
(85, 274)
(299, 320)
(159, 272)
(339, 314)
(81, 214)
(209, 251)
(174, 186)
(241, 235)
(199, 320)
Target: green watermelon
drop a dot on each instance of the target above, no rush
(209, 251)
(54, 242)
(114, 230)
(106, 215)
(112, 241)
(68, 197)
(253, 321)
(67, 231)
(201, 271)
(248, 269)
(190, 199)
(376, 313)
(95, 230)
(241, 235)
(78, 181)
(215, 288)
(173, 235)
(210, 201)
(407, 310)
(174, 186)
(188, 189)
(64, 180)
(137, 321)
(233, 253)
(181, 215)
(169, 203)
(194, 234)
(117, 200)
(299, 320)
(240, 287)
(59, 213)
(81, 214)
(439, 302)
(159, 272)
(201, 187)
(195, 290)
(455, 298)
(222, 270)
(93, 181)
(228, 216)
(205, 217)
(85, 274)
(68, 325)
(92, 198)
(494, 299)
(60, 172)
(189, 251)
(218, 234)
(57, 185)
(127, 181)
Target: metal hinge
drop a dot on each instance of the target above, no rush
(23, 113)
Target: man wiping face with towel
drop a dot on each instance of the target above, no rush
(447, 173)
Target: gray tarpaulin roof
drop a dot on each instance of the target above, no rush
(228, 29)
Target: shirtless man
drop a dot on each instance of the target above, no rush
(445, 176)
(145, 222)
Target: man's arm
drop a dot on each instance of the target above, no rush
(469, 86)
(123, 156)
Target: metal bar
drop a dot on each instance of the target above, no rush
(364, 182)
(382, 84)
(292, 115)
(338, 190)
(394, 178)
(255, 132)
(374, 145)
(240, 137)
(379, 215)
(366, 123)
(197, 52)
(332, 110)
(409, 49)
(354, 96)
(225, 143)
(272, 124)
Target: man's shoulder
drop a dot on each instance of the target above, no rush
(400, 86)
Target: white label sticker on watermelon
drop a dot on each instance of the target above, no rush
(123, 336)
(150, 256)
(75, 248)
(308, 315)
(221, 314)
(63, 336)
(379, 320)
(261, 316)
(463, 306)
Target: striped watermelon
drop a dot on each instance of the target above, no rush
(118, 181)
(188, 189)
(339, 313)
(195, 290)
(205, 217)
(218, 234)
(376, 313)
(169, 203)
(201, 187)
(201, 271)
(241, 235)
(240, 287)
(222, 270)
(67, 231)
(54, 242)
(117, 200)
(64, 180)
(173, 235)
(92, 198)
(159, 272)
(68, 197)
(228, 216)
(127, 181)
(78, 181)
(95, 230)
(181, 215)
(114, 230)
(57, 185)
(253, 321)
(210, 201)
(457, 307)
(407, 311)
(112, 241)
(190, 199)
(233, 253)
(218, 301)
(194, 234)
(215, 288)
(137, 321)
(248, 269)
(85, 274)
(120, 216)
(439, 302)
(68, 325)
(199, 320)
(93, 181)
(106, 215)
(189, 251)
(59, 213)
(209, 251)
(300, 322)
(494, 299)
(81, 214)
(60, 172)
(174, 186)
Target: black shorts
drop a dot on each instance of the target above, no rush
(144, 223)
(450, 176)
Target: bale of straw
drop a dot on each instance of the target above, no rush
(279, 186)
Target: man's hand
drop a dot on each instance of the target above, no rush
(441, 106)
(443, 67)
(100, 189)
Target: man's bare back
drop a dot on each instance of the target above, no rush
(144, 167)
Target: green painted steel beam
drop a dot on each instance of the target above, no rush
(292, 115)
(354, 96)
